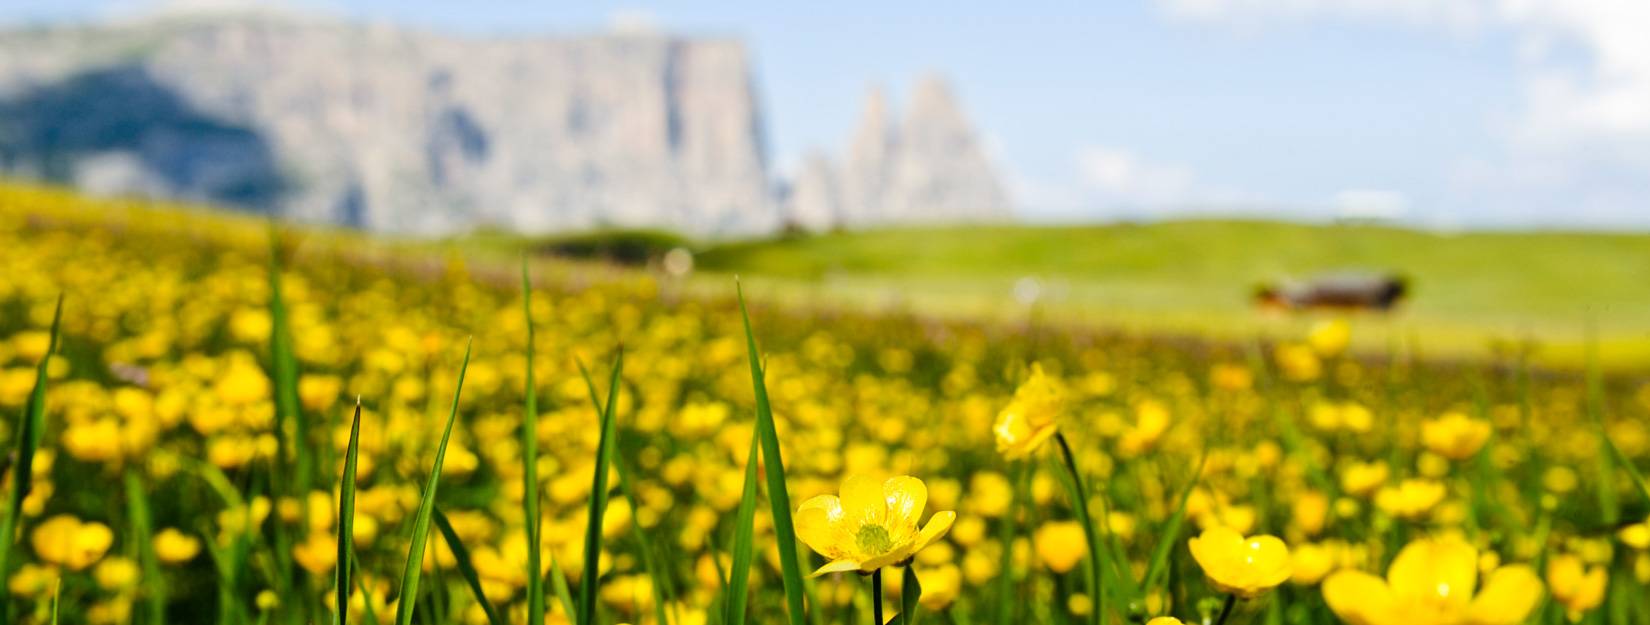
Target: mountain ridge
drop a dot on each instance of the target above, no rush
(409, 131)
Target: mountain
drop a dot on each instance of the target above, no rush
(929, 168)
(404, 131)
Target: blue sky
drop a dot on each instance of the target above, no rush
(1446, 113)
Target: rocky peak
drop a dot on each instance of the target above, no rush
(930, 168)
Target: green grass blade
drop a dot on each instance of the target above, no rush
(910, 592)
(31, 423)
(346, 516)
(414, 570)
(530, 464)
(744, 531)
(154, 590)
(558, 582)
(57, 594)
(1080, 504)
(642, 542)
(1170, 536)
(466, 567)
(589, 583)
(366, 599)
(778, 496)
(290, 431)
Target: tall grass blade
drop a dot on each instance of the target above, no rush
(598, 498)
(1170, 536)
(530, 464)
(154, 590)
(290, 431)
(910, 594)
(744, 531)
(31, 424)
(1080, 504)
(346, 516)
(642, 542)
(558, 582)
(414, 570)
(779, 498)
(466, 567)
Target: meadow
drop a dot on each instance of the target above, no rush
(214, 420)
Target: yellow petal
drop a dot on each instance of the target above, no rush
(1439, 569)
(937, 526)
(863, 501)
(906, 497)
(1215, 546)
(1358, 597)
(816, 524)
(1271, 559)
(837, 566)
(1508, 596)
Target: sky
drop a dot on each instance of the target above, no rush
(1440, 113)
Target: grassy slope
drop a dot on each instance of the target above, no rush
(1196, 276)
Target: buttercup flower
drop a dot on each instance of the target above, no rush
(66, 541)
(175, 547)
(1454, 435)
(1410, 499)
(1431, 583)
(1060, 545)
(1028, 421)
(1246, 567)
(872, 525)
(1575, 585)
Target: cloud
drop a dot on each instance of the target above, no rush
(1382, 204)
(1124, 177)
(1582, 120)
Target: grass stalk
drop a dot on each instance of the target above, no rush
(412, 573)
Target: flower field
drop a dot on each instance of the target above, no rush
(196, 409)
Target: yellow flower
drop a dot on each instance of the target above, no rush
(1410, 499)
(1029, 419)
(1242, 566)
(1060, 545)
(1575, 585)
(1309, 563)
(1361, 478)
(1454, 435)
(316, 554)
(93, 441)
(116, 573)
(1164, 620)
(1431, 582)
(872, 525)
(66, 541)
(939, 586)
(32, 580)
(1330, 337)
(175, 547)
(1636, 535)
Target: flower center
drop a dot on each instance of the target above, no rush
(874, 539)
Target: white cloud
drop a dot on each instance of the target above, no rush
(1576, 116)
(1123, 177)
(1380, 204)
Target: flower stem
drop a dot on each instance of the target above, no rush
(1080, 502)
(876, 594)
(1226, 610)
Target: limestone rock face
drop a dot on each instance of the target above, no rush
(412, 132)
(395, 130)
(929, 168)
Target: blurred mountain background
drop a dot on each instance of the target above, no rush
(403, 131)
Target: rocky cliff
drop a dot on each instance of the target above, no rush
(413, 132)
(929, 167)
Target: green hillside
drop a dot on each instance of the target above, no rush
(1468, 290)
